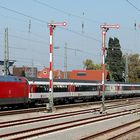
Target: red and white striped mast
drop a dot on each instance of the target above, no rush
(104, 28)
(52, 27)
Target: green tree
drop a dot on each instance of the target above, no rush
(89, 65)
(134, 68)
(114, 60)
(23, 73)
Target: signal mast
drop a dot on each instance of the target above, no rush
(52, 27)
(105, 28)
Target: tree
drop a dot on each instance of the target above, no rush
(89, 65)
(23, 73)
(134, 68)
(114, 60)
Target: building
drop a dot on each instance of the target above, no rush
(57, 74)
(88, 75)
(25, 71)
(75, 74)
(10, 68)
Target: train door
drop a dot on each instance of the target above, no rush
(26, 91)
(71, 89)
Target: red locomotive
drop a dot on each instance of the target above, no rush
(13, 90)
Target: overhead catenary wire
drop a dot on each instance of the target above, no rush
(133, 5)
(43, 21)
(34, 41)
(65, 12)
(25, 15)
(82, 35)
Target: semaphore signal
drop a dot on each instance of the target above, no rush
(52, 27)
(105, 28)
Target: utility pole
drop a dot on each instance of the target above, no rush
(33, 68)
(65, 62)
(104, 28)
(52, 27)
(126, 68)
(66, 58)
(6, 53)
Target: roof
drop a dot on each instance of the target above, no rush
(8, 78)
(87, 75)
(10, 63)
(59, 80)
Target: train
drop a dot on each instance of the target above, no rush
(23, 91)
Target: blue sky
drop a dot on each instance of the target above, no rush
(27, 47)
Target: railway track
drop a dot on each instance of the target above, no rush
(65, 125)
(116, 132)
(56, 116)
(30, 110)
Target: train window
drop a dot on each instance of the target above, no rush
(117, 87)
(107, 88)
(20, 79)
(133, 88)
(137, 87)
(86, 88)
(110, 87)
(126, 87)
(42, 88)
(99, 88)
(60, 88)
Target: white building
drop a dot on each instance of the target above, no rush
(10, 67)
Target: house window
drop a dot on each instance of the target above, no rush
(44, 72)
(81, 74)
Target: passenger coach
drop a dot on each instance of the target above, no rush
(30, 91)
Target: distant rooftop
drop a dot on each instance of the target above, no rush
(10, 62)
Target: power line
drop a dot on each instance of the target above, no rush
(82, 51)
(35, 41)
(19, 13)
(13, 18)
(32, 33)
(133, 5)
(43, 21)
(26, 39)
(64, 12)
(80, 34)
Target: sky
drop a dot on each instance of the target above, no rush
(28, 31)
